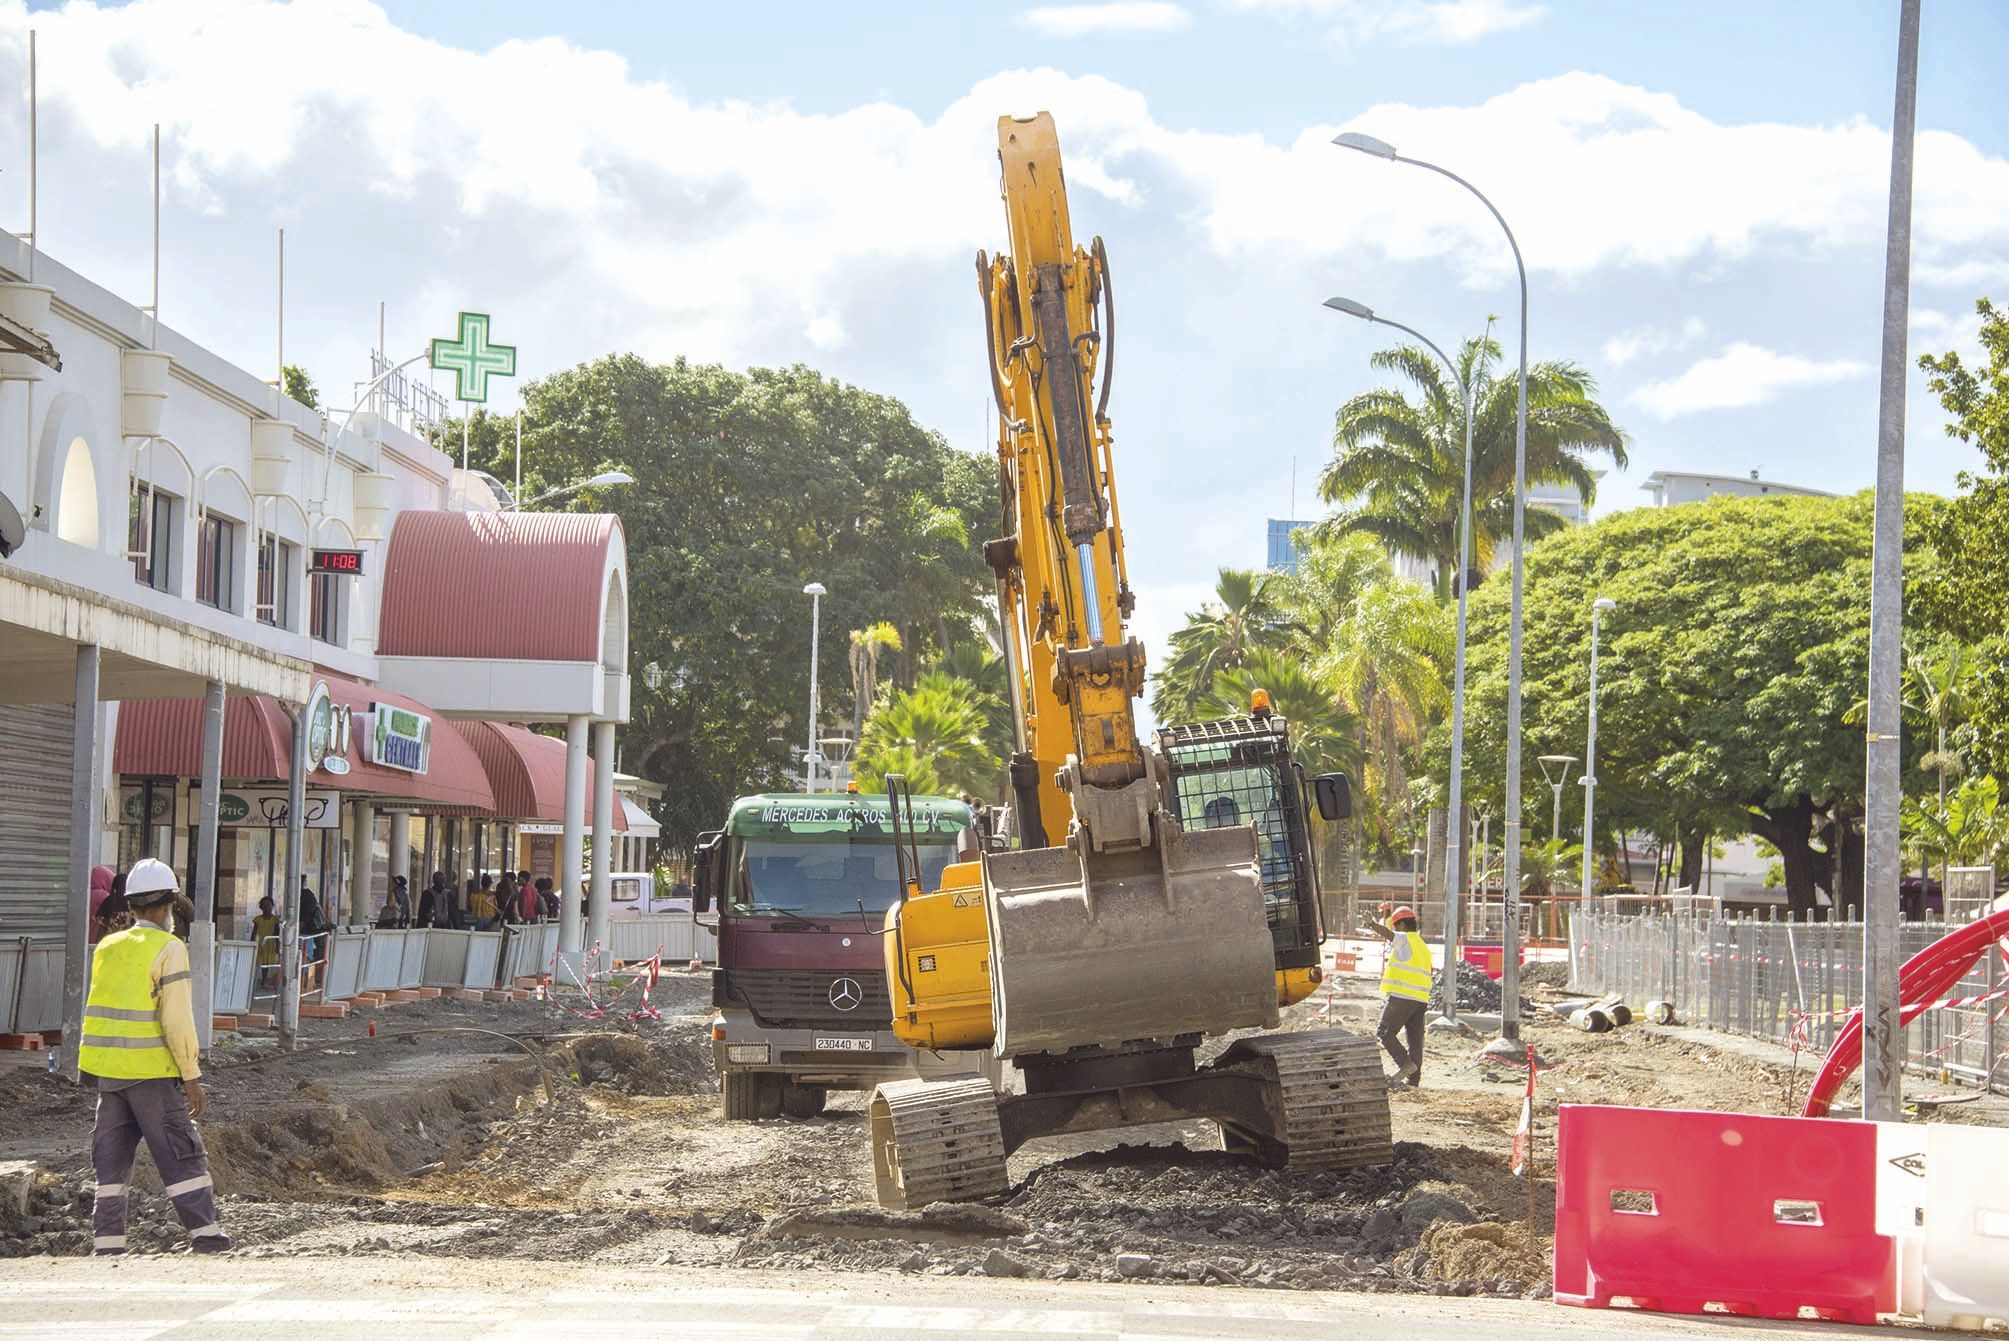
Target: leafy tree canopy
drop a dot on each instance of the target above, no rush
(748, 486)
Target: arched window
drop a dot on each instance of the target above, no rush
(77, 501)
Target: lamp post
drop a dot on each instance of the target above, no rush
(1555, 771)
(1597, 611)
(1453, 830)
(1510, 979)
(606, 479)
(815, 591)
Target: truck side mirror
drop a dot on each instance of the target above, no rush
(1334, 794)
(705, 872)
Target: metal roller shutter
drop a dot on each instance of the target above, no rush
(35, 818)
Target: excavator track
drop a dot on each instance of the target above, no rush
(936, 1140)
(1331, 1097)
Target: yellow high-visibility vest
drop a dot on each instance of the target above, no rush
(123, 1039)
(1407, 976)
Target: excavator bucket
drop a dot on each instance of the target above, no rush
(1105, 947)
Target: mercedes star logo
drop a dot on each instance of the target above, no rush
(846, 994)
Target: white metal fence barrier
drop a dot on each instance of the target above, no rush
(1786, 981)
(31, 985)
(676, 936)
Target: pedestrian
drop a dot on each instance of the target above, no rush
(481, 903)
(528, 905)
(113, 914)
(139, 1044)
(433, 903)
(314, 929)
(1405, 992)
(101, 889)
(508, 906)
(265, 935)
(547, 898)
(397, 910)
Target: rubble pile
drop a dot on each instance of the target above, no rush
(1476, 991)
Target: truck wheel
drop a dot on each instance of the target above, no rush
(803, 1101)
(749, 1095)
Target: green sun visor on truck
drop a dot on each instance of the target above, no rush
(857, 818)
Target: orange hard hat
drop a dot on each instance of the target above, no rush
(1404, 911)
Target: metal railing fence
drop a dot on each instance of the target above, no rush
(1785, 981)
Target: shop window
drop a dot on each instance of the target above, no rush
(327, 613)
(275, 582)
(150, 538)
(216, 562)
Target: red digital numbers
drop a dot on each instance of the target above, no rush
(349, 561)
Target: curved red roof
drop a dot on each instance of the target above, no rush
(512, 586)
(527, 772)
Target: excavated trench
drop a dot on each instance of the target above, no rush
(377, 1153)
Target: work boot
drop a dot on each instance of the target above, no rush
(1408, 1074)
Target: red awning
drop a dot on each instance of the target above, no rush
(163, 738)
(526, 772)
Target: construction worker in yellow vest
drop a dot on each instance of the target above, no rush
(139, 1044)
(1405, 991)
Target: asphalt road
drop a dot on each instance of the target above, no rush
(423, 1299)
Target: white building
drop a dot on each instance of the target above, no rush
(1672, 487)
(182, 543)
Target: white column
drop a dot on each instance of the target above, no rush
(401, 846)
(83, 825)
(572, 852)
(202, 928)
(603, 839)
(362, 907)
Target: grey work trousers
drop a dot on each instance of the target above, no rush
(155, 1111)
(1401, 1016)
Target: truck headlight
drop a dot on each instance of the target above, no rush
(754, 1054)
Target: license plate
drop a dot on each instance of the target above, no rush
(844, 1043)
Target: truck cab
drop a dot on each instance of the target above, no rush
(799, 885)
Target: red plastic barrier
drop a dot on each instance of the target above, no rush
(1684, 1212)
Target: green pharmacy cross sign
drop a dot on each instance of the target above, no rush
(472, 359)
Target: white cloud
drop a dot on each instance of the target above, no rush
(1122, 16)
(1644, 341)
(1443, 22)
(1743, 374)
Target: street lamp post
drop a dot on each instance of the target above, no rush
(815, 591)
(1510, 979)
(1597, 611)
(1556, 771)
(606, 479)
(1453, 830)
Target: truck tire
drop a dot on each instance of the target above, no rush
(803, 1101)
(749, 1095)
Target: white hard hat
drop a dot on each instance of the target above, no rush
(149, 877)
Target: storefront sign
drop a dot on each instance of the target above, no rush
(265, 808)
(343, 562)
(320, 724)
(400, 738)
(540, 828)
(131, 799)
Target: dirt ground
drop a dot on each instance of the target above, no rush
(435, 1138)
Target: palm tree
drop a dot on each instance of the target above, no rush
(975, 662)
(1397, 471)
(866, 645)
(1243, 618)
(938, 723)
(1325, 734)
(1386, 656)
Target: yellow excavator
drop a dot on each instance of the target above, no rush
(1180, 899)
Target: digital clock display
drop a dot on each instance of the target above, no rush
(348, 561)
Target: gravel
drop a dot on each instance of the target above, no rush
(1476, 991)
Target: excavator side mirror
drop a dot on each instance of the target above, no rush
(1334, 794)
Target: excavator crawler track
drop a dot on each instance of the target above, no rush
(936, 1140)
(1331, 1100)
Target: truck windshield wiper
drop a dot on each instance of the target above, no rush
(789, 913)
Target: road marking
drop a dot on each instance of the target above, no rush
(910, 1318)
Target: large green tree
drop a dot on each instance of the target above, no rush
(1962, 593)
(749, 485)
(1727, 672)
(1398, 467)
(1241, 619)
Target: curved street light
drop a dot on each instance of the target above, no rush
(1510, 980)
(815, 591)
(1453, 830)
(606, 479)
(1598, 609)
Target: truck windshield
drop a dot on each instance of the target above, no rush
(824, 879)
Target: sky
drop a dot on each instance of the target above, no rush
(1698, 189)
